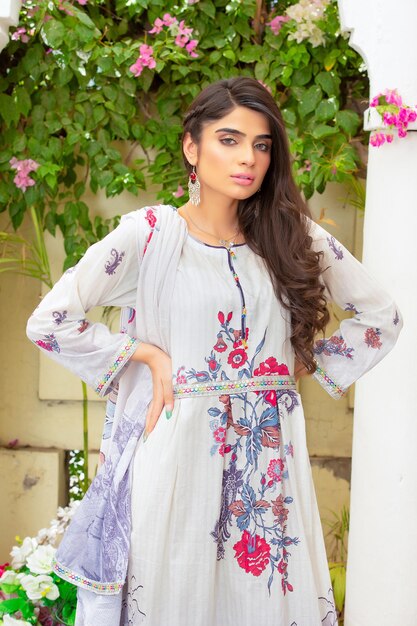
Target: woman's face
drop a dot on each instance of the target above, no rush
(233, 154)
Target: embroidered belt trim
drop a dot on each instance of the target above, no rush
(213, 388)
(86, 583)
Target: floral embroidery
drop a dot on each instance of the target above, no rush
(120, 360)
(237, 358)
(328, 384)
(252, 553)
(396, 318)
(338, 252)
(113, 264)
(49, 343)
(328, 609)
(132, 315)
(214, 365)
(59, 316)
(289, 449)
(276, 470)
(334, 345)
(351, 307)
(152, 220)
(372, 336)
(83, 325)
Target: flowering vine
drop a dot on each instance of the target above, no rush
(395, 115)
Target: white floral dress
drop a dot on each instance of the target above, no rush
(225, 525)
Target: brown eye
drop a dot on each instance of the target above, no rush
(228, 141)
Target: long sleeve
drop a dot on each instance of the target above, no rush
(107, 275)
(362, 340)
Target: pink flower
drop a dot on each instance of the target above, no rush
(23, 168)
(145, 59)
(389, 119)
(157, 26)
(220, 435)
(82, 2)
(275, 469)
(179, 193)
(377, 139)
(412, 115)
(402, 132)
(276, 23)
(389, 137)
(190, 46)
(392, 97)
(168, 19)
(181, 40)
(20, 33)
(375, 101)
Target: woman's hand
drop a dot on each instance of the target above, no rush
(163, 394)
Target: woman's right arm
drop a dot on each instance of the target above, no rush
(107, 275)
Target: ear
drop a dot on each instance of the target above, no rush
(190, 149)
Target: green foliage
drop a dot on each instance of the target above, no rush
(68, 99)
(338, 531)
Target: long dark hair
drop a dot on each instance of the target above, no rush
(273, 220)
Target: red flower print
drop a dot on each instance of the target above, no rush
(275, 469)
(212, 363)
(221, 345)
(372, 338)
(237, 358)
(282, 566)
(221, 450)
(271, 397)
(44, 345)
(220, 435)
(146, 244)
(229, 316)
(252, 553)
(150, 218)
(220, 317)
(271, 366)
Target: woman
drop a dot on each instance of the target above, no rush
(205, 502)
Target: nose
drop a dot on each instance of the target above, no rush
(247, 155)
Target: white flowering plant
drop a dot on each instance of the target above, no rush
(30, 592)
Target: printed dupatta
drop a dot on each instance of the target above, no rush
(94, 551)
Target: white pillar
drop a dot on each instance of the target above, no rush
(9, 16)
(382, 555)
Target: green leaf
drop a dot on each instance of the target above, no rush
(326, 110)
(207, 7)
(53, 33)
(310, 100)
(250, 54)
(23, 101)
(322, 130)
(8, 110)
(349, 121)
(329, 83)
(302, 76)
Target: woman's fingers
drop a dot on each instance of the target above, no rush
(163, 395)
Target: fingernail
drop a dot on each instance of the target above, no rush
(144, 436)
(168, 414)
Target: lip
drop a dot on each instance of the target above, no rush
(243, 179)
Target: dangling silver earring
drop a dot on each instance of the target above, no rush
(194, 188)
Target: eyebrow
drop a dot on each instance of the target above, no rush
(233, 131)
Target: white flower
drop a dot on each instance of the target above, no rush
(8, 620)
(19, 554)
(40, 561)
(38, 587)
(9, 577)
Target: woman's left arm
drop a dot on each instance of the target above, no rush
(362, 340)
